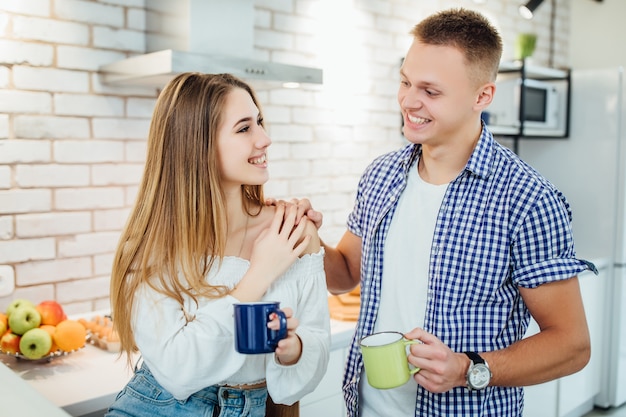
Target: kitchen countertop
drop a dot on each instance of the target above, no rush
(85, 381)
(79, 383)
(18, 398)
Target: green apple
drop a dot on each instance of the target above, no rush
(35, 343)
(18, 302)
(24, 318)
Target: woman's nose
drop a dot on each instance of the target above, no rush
(263, 140)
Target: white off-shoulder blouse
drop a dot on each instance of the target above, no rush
(189, 350)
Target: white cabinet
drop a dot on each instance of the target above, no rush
(573, 395)
(327, 399)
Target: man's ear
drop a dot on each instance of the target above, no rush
(485, 96)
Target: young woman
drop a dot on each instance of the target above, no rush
(201, 239)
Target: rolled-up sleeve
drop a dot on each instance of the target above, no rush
(288, 384)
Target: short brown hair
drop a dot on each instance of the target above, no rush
(468, 31)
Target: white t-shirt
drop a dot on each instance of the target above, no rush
(404, 285)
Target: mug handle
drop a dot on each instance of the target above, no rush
(281, 333)
(408, 342)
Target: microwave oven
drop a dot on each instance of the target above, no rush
(545, 108)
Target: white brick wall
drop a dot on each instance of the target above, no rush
(111, 219)
(29, 176)
(72, 148)
(49, 79)
(12, 101)
(6, 227)
(110, 128)
(50, 127)
(88, 244)
(87, 59)
(88, 198)
(25, 201)
(88, 105)
(24, 52)
(52, 224)
(50, 31)
(92, 151)
(22, 251)
(89, 12)
(5, 177)
(31, 7)
(24, 151)
(54, 270)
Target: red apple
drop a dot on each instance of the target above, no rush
(10, 343)
(51, 312)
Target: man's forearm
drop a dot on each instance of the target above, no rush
(339, 278)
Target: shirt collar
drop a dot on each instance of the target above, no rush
(480, 162)
(408, 156)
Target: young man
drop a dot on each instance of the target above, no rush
(457, 242)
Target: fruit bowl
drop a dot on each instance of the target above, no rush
(48, 358)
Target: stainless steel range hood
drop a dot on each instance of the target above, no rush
(209, 36)
(157, 68)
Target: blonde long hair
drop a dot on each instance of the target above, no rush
(178, 226)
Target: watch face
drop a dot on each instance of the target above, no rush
(479, 376)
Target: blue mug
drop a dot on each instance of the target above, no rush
(252, 335)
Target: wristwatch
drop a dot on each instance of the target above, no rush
(478, 373)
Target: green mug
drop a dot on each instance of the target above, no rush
(385, 359)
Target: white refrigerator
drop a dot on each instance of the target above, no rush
(589, 167)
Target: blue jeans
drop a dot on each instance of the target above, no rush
(144, 396)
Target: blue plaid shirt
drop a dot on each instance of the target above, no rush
(501, 225)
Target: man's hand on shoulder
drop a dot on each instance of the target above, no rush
(304, 209)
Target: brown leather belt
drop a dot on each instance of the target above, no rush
(246, 386)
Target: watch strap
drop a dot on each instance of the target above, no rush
(475, 357)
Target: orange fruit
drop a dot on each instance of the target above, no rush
(4, 323)
(50, 329)
(70, 335)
